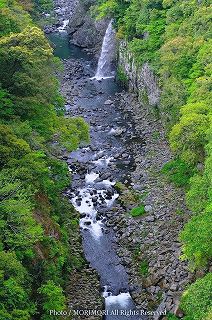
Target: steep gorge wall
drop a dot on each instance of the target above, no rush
(141, 80)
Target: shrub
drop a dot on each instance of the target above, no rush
(171, 317)
(188, 137)
(196, 301)
(144, 268)
(53, 299)
(122, 77)
(178, 172)
(197, 238)
(138, 211)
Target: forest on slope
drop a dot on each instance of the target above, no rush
(36, 221)
(174, 37)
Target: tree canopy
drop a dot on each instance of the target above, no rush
(35, 256)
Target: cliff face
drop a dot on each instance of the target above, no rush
(140, 80)
(85, 32)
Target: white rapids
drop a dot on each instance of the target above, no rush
(87, 207)
(63, 27)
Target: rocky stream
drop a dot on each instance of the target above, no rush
(134, 267)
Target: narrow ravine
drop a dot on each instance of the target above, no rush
(96, 168)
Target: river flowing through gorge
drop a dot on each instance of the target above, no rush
(97, 167)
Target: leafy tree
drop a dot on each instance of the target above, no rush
(197, 238)
(188, 137)
(72, 131)
(178, 56)
(26, 63)
(6, 105)
(196, 300)
(12, 17)
(35, 220)
(10, 146)
(19, 229)
(197, 195)
(15, 286)
(53, 298)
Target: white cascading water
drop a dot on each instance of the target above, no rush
(64, 25)
(104, 69)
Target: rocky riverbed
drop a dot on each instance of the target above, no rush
(152, 240)
(95, 169)
(147, 246)
(120, 170)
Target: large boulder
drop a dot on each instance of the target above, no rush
(84, 30)
(76, 18)
(86, 35)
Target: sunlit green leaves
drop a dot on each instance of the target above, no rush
(196, 300)
(15, 285)
(197, 239)
(53, 299)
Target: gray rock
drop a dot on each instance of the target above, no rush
(148, 208)
(77, 18)
(150, 219)
(174, 287)
(108, 102)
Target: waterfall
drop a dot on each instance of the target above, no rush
(104, 69)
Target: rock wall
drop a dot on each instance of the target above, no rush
(140, 80)
(85, 32)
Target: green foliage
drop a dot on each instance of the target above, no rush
(122, 77)
(171, 317)
(53, 298)
(11, 146)
(15, 286)
(43, 5)
(37, 224)
(6, 104)
(196, 300)
(197, 239)
(188, 137)
(72, 131)
(197, 195)
(19, 229)
(178, 56)
(110, 8)
(128, 196)
(138, 211)
(178, 172)
(173, 96)
(120, 186)
(144, 268)
(13, 18)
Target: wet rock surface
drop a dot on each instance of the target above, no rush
(74, 17)
(95, 168)
(152, 238)
(128, 145)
